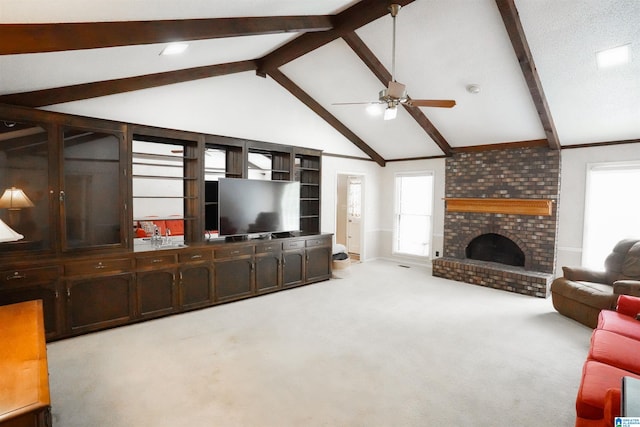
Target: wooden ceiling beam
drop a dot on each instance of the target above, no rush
(306, 99)
(49, 37)
(379, 70)
(345, 22)
(40, 98)
(513, 25)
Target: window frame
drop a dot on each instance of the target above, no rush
(396, 214)
(588, 195)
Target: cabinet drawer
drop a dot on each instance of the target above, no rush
(28, 276)
(98, 266)
(195, 256)
(317, 242)
(294, 244)
(155, 261)
(268, 247)
(233, 252)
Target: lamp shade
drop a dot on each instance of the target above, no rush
(390, 113)
(14, 198)
(7, 234)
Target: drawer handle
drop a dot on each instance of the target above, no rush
(235, 252)
(156, 261)
(196, 256)
(17, 276)
(99, 266)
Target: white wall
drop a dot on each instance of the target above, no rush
(572, 195)
(379, 194)
(331, 167)
(378, 200)
(437, 166)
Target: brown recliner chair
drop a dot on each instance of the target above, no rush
(581, 293)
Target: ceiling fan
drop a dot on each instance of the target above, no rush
(396, 93)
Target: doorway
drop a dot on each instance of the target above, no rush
(349, 213)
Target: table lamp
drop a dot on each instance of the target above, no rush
(14, 199)
(7, 234)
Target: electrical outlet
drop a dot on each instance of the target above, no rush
(437, 253)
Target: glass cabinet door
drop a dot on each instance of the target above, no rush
(92, 190)
(24, 187)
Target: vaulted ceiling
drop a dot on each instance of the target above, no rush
(273, 69)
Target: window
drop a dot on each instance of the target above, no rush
(354, 198)
(413, 212)
(611, 210)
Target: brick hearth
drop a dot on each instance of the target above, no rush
(494, 275)
(523, 173)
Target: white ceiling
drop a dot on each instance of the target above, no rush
(442, 46)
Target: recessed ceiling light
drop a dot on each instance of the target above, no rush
(613, 57)
(174, 48)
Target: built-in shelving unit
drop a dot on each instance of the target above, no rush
(162, 179)
(92, 182)
(307, 171)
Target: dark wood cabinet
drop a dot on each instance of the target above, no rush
(268, 262)
(233, 279)
(35, 284)
(318, 264)
(233, 272)
(99, 302)
(93, 166)
(98, 292)
(196, 285)
(307, 172)
(293, 263)
(27, 171)
(156, 292)
(85, 180)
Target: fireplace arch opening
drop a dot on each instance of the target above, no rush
(495, 248)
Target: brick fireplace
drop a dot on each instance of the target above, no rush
(500, 227)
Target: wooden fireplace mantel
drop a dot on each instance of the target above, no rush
(542, 207)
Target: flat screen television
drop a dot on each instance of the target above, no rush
(249, 206)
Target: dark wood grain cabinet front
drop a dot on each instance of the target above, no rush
(267, 270)
(318, 259)
(99, 302)
(156, 293)
(196, 285)
(41, 283)
(268, 267)
(293, 264)
(233, 272)
(98, 266)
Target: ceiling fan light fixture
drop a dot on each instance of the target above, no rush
(390, 113)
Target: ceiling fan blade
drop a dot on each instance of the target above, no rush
(443, 103)
(356, 103)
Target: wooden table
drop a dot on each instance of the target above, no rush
(24, 376)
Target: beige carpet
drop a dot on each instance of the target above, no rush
(384, 346)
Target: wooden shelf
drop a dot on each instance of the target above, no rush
(541, 207)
